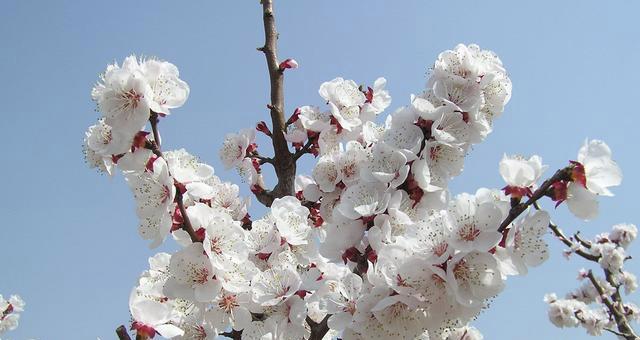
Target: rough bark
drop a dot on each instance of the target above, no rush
(283, 162)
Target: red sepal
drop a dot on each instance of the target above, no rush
(143, 330)
(577, 173)
(369, 95)
(139, 140)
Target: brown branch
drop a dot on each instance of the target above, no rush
(578, 250)
(262, 159)
(516, 210)
(305, 149)
(618, 303)
(186, 223)
(318, 330)
(153, 119)
(122, 333)
(614, 332)
(580, 240)
(155, 148)
(236, 335)
(283, 162)
(621, 320)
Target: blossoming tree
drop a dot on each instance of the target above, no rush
(370, 245)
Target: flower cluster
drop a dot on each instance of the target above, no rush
(126, 96)
(9, 313)
(597, 304)
(372, 244)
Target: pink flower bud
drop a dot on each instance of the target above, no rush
(294, 117)
(262, 127)
(288, 63)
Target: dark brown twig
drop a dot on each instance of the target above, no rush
(305, 149)
(122, 333)
(155, 148)
(186, 223)
(583, 242)
(318, 330)
(614, 308)
(574, 247)
(516, 210)
(236, 335)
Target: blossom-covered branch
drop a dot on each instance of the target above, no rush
(154, 146)
(371, 244)
(607, 250)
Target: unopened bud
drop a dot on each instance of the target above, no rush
(288, 63)
(262, 127)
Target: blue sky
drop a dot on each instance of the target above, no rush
(68, 236)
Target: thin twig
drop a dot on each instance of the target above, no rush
(616, 332)
(122, 333)
(155, 148)
(574, 247)
(621, 320)
(518, 209)
(186, 223)
(153, 119)
(305, 149)
(583, 242)
(263, 159)
(236, 335)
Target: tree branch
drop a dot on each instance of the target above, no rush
(236, 335)
(122, 333)
(155, 148)
(283, 162)
(518, 209)
(186, 223)
(305, 149)
(578, 250)
(621, 320)
(318, 330)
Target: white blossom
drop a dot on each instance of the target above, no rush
(291, 219)
(521, 173)
(234, 147)
(154, 193)
(192, 275)
(124, 95)
(623, 234)
(474, 277)
(169, 91)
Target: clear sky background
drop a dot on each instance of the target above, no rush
(68, 236)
